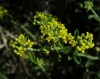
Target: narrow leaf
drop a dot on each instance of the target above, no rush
(77, 59)
(93, 16)
(88, 63)
(76, 33)
(25, 39)
(69, 58)
(66, 50)
(97, 29)
(31, 56)
(3, 76)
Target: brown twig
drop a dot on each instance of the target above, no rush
(25, 68)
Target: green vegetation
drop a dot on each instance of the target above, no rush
(47, 43)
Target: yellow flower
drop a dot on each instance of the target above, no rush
(73, 42)
(29, 43)
(52, 31)
(20, 44)
(85, 42)
(11, 43)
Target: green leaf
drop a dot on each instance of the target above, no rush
(97, 29)
(66, 50)
(31, 56)
(81, 5)
(69, 58)
(15, 24)
(93, 16)
(75, 51)
(49, 18)
(77, 59)
(40, 62)
(88, 63)
(76, 33)
(3, 76)
(25, 39)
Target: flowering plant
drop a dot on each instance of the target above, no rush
(53, 37)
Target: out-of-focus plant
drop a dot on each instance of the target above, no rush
(90, 7)
(3, 12)
(3, 76)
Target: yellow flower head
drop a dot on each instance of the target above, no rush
(52, 30)
(55, 32)
(85, 42)
(20, 44)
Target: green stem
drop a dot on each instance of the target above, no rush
(28, 32)
(94, 13)
(88, 56)
(78, 54)
(56, 48)
(31, 49)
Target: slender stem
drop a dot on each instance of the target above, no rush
(56, 48)
(31, 49)
(28, 32)
(88, 56)
(78, 54)
(95, 13)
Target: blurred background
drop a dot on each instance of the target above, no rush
(69, 12)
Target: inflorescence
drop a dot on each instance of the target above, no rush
(54, 31)
(88, 5)
(84, 42)
(20, 44)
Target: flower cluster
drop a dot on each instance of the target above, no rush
(88, 5)
(3, 12)
(41, 18)
(84, 42)
(52, 30)
(55, 32)
(20, 44)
